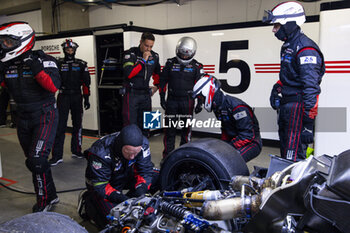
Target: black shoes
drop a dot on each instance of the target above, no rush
(54, 161)
(37, 208)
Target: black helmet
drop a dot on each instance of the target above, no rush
(68, 43)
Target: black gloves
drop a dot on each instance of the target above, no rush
(140, 190)
(35, 64)
(117, 197)
(198, 107)
(307, 133)
(86, 102)
(275, 99)
(162, 100)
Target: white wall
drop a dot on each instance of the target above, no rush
(168, 15)
(192, 13)
(334, 43)
(32, 17)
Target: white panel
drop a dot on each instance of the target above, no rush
(86, 52)
(334, 43)
(31, 17)
(204, 12)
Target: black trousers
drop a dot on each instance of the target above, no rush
(250, 151)
(177, 108)
(36, 132)
(290, 122)
(135, 103)
(66, 103)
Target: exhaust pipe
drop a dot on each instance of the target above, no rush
(225, 209)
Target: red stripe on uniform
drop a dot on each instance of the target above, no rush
(135, 71)
(45, 81)
(155, 79)
(307, 48)
(85, 90)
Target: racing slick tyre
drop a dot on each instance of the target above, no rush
(42, 222)
(207, 163)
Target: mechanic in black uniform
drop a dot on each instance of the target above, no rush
(32, 78)
(180, 73)
(139, 64)
(117, 162)
(239, 125)
(75, 87)
(296, 92)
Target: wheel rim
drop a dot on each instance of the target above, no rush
(190, 168)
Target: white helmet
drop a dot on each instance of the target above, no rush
(185, 50)
(285, 12)
(16, 38)
(205, 88)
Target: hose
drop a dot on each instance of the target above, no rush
(32, 193)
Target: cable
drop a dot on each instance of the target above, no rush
(145, 4)
(32, 193)
(15, 190)
(318, 214)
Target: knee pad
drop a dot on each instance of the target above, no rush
(37, 164)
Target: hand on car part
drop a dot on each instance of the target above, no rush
(35, 64)
(163, 101)
(275, 98)
(307, 132)
(140, 190)
(86, 102)
(117, 197)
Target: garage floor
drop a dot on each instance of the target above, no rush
(67, 175)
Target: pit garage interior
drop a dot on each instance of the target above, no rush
(107, 22)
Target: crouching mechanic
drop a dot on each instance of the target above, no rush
(239, 126)
(117, 162)
(32, 79)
